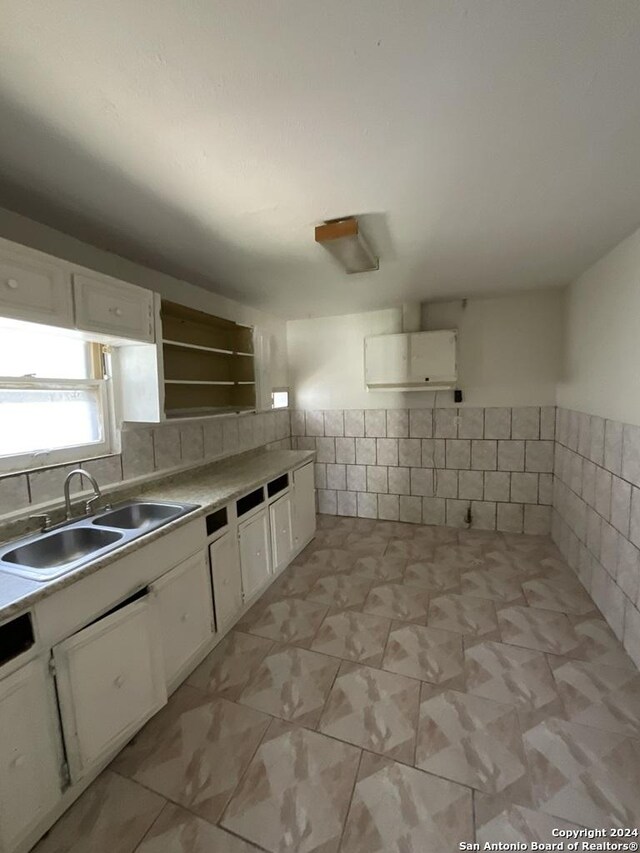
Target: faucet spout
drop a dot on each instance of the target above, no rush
(67, 489)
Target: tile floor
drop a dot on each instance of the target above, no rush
(399, 688)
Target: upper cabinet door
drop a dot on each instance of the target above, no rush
(30, 752)
(109, 307)
(33, 290)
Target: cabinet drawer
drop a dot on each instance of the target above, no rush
(34, 291)
(227, 584)
(30, 752)
(107, 306)
(110, 680)
(185, 611)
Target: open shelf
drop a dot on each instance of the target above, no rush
(208, 363)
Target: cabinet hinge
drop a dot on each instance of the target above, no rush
(52, 667)
(65, 775)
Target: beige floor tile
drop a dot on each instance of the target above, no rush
(425, 653)
(225, 671)
(565, 595)
(473, 741)
(330, 560)
(396, 809)
(598, 642)
(111, 816)
(291, 620)
(179, 831)
(499, 584)
(194, 751)
(341, 591)
(544, 630)
(585, 775)
(380, 568)
(396, 601)
(295, 794)
(472, 617)
(417, 549)
(434, 577)
(605, 697)
(366, 544)
(516, 676)
(436, 535)
(461, 557)
(373, 709)
(353, 636)
(500, 821)
(291, 683)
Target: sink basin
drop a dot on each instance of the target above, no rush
(51, 551)
(139, 516)
(49, 555)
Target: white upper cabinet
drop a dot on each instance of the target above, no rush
(30, 753)
(304, 510)
(411, 361)
(110, 680)
(34, 289)
(110, 307)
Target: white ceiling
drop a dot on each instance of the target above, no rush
(492, 145)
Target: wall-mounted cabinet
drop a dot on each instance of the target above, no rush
(411, 361)
(208, 363)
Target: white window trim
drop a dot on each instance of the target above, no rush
(58, 455)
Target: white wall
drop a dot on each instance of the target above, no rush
(510, 353)
(29, 233)
(602, 366)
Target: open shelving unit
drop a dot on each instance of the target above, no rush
(208, 363)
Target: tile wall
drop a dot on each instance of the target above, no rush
(596, 515)
(431, 465)
(151, 451)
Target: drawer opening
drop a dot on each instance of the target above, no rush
(216, 521)
(16, 637)
(278, 485)
(249, 502)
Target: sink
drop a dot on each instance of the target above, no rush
(139, 516)
(50, 551)
(49, 555)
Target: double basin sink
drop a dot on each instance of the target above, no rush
(49, 555)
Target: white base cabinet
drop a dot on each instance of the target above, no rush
(110, 681)
(30, 752)
(282, 544)
(227, 581)
(185, 614)
(255, 557)
(304, 515)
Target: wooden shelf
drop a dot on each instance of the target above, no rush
(208, 363)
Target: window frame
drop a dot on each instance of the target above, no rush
(46, 457)
(275, 391)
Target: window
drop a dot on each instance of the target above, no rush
(53, 397)
(279, 398)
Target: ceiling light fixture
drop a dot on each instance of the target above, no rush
(343, 239)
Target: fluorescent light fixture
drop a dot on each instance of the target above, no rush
(343, 239)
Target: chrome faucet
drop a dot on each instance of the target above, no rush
(67, 496)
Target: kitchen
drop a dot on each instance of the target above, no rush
(292, 558)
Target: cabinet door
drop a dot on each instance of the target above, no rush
(386, 359)
(185, 613)
(304, 505)
(227, 582)
(30, 752)
(113, 308)
(32, 290)
(255, 557)
(282, 544)
(110, 681)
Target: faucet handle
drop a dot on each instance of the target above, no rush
(89, 505)
(44, 518)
